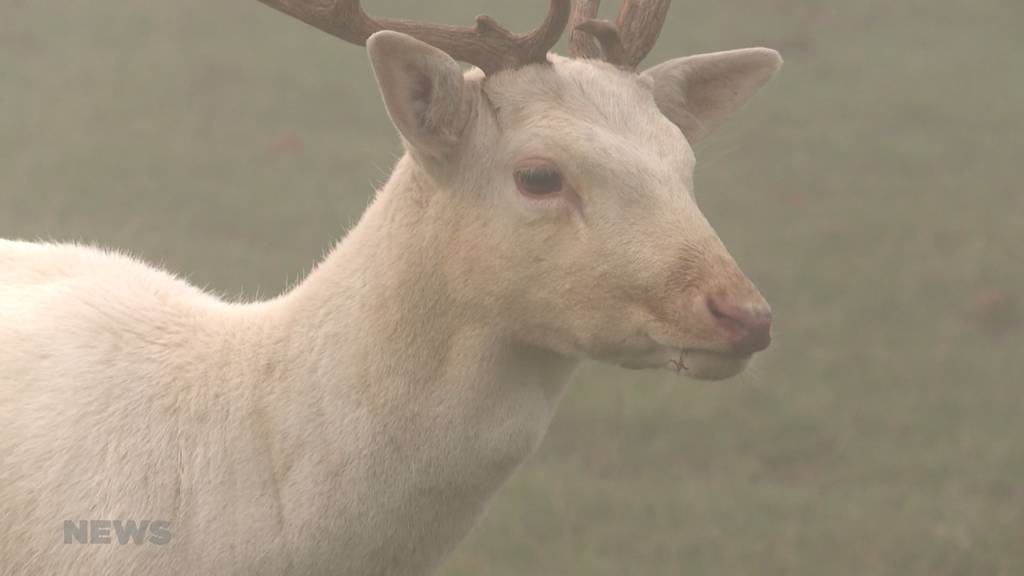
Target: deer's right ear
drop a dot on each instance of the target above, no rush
(423, 90)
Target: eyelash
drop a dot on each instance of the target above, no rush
(539, 180)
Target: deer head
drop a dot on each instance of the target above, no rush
(562, 188)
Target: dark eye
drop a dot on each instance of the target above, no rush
(538, 180)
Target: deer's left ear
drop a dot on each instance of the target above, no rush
(423, 89)
(698, 92)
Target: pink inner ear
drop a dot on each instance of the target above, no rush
(421, 92)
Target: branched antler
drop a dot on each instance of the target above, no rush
(488, 45)
(624, 42)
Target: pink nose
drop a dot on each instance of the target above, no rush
(748, 322)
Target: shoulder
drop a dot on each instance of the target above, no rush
(84, 269)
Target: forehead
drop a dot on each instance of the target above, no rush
(581, 101)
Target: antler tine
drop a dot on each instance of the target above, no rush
(628, 40)
(607, 34)
(639, 24)
(488, 45)
(582, 42)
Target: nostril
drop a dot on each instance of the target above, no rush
(725, 313)
(748, 324)
(717, 310)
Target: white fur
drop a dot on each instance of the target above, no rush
(357, 424)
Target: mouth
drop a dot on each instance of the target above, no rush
(697, 363)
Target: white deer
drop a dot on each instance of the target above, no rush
(356, 425)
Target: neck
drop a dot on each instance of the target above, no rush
(421, 406)
(381, 297)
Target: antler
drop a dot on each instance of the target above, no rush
(488, 45)
(582, 43)
(624, 42)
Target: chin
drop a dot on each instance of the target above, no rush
(706, 365)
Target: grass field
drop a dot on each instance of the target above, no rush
(872, 191)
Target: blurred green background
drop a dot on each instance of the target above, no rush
(872, 191)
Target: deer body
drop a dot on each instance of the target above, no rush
(358, 424)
